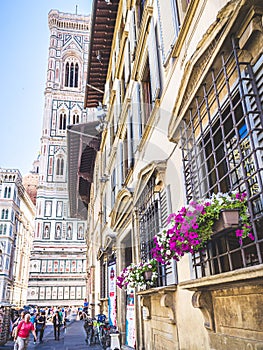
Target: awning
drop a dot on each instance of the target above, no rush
(83, 142)
(101, 33)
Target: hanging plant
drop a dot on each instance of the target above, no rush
(192, 227)
(135, 275)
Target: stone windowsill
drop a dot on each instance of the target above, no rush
(236, 277)
(158, 290)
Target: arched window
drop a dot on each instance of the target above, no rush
(71, 80)
(67, 74)
(76, 75)
(9, 192)
(72, 75)
(62, 121)
(75, 119)
(6, 214)
(3, 214)
(5, 227)
(60, 166)
(1, 229)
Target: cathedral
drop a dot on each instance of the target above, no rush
(58, 259)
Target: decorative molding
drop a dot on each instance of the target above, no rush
(167, 300)
(147, 307)
(203, 301)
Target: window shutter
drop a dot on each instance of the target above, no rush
(132, 31)
(130, 140)
(169, 25)
(118, 99)
(257, 117)
(153, 62)
(120, 165)
(136, 115)
(166, 209)
(127, 61)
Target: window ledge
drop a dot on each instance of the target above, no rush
(236, 277)
(156, 290)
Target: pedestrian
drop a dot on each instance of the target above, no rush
(16, 322)
(57, 322)
(40, 324)
(22, 333)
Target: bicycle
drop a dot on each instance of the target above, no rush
(94, 329)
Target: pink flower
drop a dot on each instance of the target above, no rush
(239, 233)
(251, 236)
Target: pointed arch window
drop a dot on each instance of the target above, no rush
(67, 74)
(62, 121)
(60, 166)
(75, 119)
(76, 75)
(72, 75)
(3, 214)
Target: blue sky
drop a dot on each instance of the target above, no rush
(24, 44)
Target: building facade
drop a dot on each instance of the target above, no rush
(58, 260)
(184, 120)
(17, 213)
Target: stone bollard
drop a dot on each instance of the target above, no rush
(114, 341)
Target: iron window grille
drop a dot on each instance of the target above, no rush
(152, 211)
(222, 142)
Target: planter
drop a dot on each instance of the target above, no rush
(228, 220)
(148, 275)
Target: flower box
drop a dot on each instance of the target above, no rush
(228, 220)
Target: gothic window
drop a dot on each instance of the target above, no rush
(76, 75)
(71, 74)
(60, 166)
(220, 141)
(67, 75)
(62, 121)
(75, 118)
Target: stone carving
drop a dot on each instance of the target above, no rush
(203, 301)
(167, 300)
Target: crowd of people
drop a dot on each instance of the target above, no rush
(34, 320)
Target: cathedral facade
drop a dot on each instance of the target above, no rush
(58, 260)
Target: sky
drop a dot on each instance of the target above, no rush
(24, 46)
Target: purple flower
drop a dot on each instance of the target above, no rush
(251, 236)
(239, 233)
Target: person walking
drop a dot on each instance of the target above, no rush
(40, 324)
(57, 322)
(22, 333)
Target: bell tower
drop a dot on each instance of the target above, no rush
(58, 259)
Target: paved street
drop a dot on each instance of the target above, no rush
(71, 339)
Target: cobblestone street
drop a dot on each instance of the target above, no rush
(72, 338)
